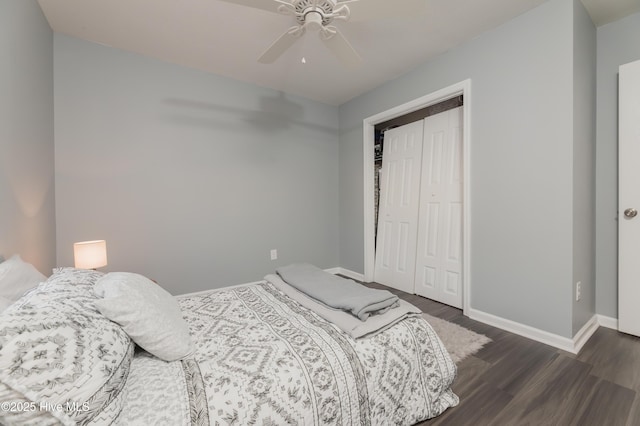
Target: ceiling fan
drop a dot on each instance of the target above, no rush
(317, 15)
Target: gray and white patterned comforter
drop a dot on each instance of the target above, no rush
(263, 359)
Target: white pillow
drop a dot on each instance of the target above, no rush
(16, 277)
(149, 314)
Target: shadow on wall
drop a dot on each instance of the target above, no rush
(273, 115)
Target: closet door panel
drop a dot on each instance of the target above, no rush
(439, 249)
(399, 201)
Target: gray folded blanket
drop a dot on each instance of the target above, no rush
(337, 292)
(344, 320)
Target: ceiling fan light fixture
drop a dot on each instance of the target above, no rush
(313, 21)
(317, 15)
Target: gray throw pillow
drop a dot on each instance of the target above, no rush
(148, 314)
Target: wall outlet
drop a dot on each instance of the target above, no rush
(274, 254)
(578, 291)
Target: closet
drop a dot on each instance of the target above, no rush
(419, 227)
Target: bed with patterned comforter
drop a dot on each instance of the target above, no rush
(261, 359)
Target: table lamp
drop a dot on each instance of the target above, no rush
(90, 254)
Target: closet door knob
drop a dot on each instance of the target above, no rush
(630, 213)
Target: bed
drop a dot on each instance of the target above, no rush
(259, 358)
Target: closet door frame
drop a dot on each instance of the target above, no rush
(462, 88)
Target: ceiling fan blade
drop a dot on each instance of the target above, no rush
(268, 5)
(361, 10)
(278, 47)
(339, 46)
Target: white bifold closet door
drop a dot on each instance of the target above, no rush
(439, 253)
(419, 245)
(399, 201)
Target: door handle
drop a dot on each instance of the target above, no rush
(630, 213)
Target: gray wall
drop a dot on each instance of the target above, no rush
(190, 177)
(584, 179)
(617, 45)
(27, 212)
(521, 163)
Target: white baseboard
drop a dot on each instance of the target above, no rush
(584, 334)
(566, 344)
(608, 322)
(347, 273)
(529, 332)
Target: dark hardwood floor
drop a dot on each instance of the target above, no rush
(517, 381)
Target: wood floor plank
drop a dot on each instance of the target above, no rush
(620, 363)
(610, 404)
(634, 413)
(479, 408)
(469, 376)
(519, 365)
(552, 396)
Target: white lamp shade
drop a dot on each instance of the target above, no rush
(90, 254)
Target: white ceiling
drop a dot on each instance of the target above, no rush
(226, 38)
